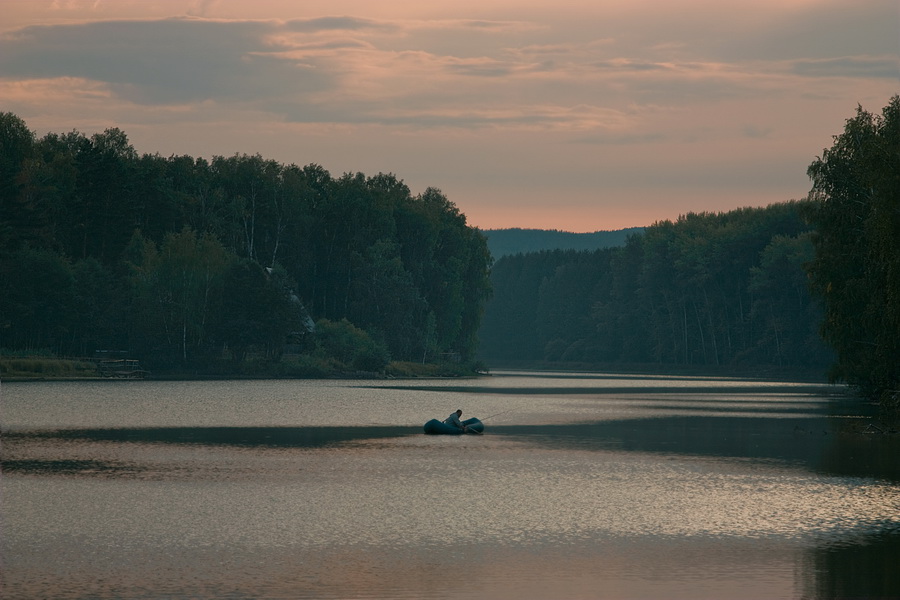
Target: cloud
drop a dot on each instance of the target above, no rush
(610, 107)
(433, 72)
(613, 139)
(822, 29)
(481, 67)
(850, 66)
(164, 61)
(627, 64)
(321, 24)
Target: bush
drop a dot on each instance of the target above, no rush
(350, 346)
(307, 367)
(411, 369)
(447, 369)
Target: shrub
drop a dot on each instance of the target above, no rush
(349, 345)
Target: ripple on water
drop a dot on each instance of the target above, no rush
(283, 489)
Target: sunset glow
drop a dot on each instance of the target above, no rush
(577, 115)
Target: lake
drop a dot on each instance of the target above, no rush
(582, 486)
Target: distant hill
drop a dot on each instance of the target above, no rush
(502, 242)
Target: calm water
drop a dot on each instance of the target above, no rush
(583, 486)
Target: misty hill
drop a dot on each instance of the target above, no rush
(503, 242)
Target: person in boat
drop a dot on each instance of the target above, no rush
(453, 420)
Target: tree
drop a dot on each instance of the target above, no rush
(16, 148)
(37, 302)
(713, 290)
(786, 314)
(176, 291)
(387, 300)
(256, 311)
(178, 258)
(101, 304)
(856, 271)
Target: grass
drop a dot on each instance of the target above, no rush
(40, 367)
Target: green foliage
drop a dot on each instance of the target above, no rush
(175, 291)
(406, 369)
(101, 316)
(511, 321)
(350, 346)
(709, 290)
(38, 303)
(17, 209)
(856, 271)
(185, 261)
(505, 242)
(255, 311)
(308, 366)
(782, 306)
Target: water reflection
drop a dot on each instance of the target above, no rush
(679, 495)
(815, 443)
(866, 568)
(288, 437)
(818, 444)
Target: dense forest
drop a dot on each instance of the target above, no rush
(503, 242)
(813, 284)
(229, 263)
(708, 290)
(185, 262)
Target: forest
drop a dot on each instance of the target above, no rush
(244, 265)
(502, 242)
(708, 290)
(803, 286)
(227, 265)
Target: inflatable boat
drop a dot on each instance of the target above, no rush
(435, 427)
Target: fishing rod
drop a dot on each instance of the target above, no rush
(496, 415)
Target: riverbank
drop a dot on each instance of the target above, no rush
(61, 369)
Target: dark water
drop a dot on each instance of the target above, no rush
(583, 486)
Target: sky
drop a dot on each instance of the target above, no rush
(578, 115)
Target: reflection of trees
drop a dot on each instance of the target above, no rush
(867, 568)
(859, 454)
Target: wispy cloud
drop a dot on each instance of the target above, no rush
(595, 93)
(884, 67)
(327, 24)
(173, 60)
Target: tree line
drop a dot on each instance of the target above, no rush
(181, 260)
(502, 242)
(184, 260)
(710, 290)
(796, 285)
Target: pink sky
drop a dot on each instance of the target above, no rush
(573, 115)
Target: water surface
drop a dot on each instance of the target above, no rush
(583, 486)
